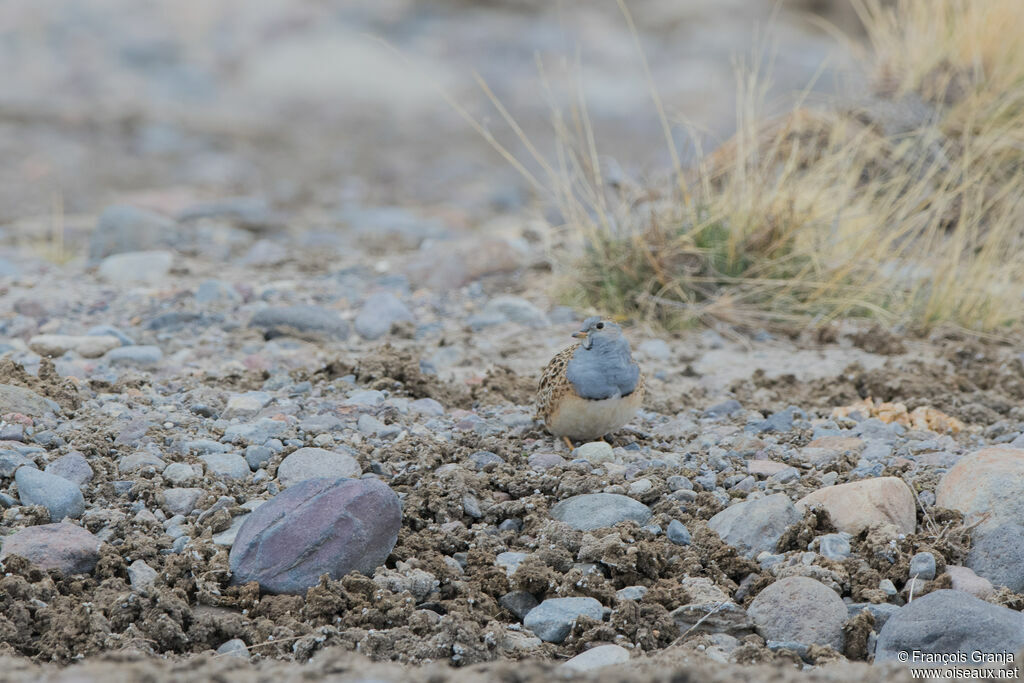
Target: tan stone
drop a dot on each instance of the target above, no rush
(966, 580)
(765, 468)
(838, 443)
(989, 482)
(859, 504)
(87, 346)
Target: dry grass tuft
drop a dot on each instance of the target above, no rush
(908, 206)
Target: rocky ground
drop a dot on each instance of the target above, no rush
(225, 278)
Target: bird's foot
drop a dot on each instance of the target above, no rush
(568, 443)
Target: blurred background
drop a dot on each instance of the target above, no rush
(338, 104)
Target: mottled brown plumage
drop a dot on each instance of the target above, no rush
(567, 414)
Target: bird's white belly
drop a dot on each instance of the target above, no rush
(579, 418)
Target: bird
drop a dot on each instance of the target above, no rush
(591, 388)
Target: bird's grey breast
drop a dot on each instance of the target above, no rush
(600, 373)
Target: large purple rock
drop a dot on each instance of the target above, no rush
(63, 546)
(318, 526)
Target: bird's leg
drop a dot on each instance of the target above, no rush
(568, 443)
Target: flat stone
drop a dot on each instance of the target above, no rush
(552, 619)
(310, 463)
(15, 399)
(859, 504)
(73, 467)
(87, 346)
(65, 547)
(142, 356)
(58, 495)
(598, 510)
(755, 526)
(137, 267)
(317, 526)
(303, 321)
(254, 432)
(597, 658)
(226, 465)
(710, 610)
(765, 468)
(800, 609)
(947, 622)
(138, 460)
(182, 501)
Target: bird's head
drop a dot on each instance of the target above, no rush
(599, 332)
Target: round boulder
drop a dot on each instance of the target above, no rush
(800, 609)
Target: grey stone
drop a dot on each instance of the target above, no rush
(379, 312)
(426, 406)
(73, 467)
(755, 526)
(597, 510)
(516, 309)
(123, 228)
(510, 561)
(800, 609)
(310, 463)
(10, 461)
(631, 593)
(723, 409)
(58, 495)
(138, 460)
(781, 421)
(949, 622)
(135, 356)
(226, 465)
(486, 461)
(235, 647)
(303, 321)
(179, 473)
(318, 526)
(518, 603)
(141, 575)
(137, 267)
(678, 533)
(922, 565)
(246, 405)
(595, 452)
(834, 546)
(552, 619)
(597, 658)
(250, 213)
(258, 432)
(710, 610)
(15, 399)
(62, 546)
(256, 456)
(216, 291)
(997, 553)
(181, 501)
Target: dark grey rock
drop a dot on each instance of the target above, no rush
(997, 553)
(63, 546)
(58, 495)
(597, 510)
(678, 533)
(518, 603)
(922, 565)
(303, 321)
(949, 622)
(552, 619)
(73, 467)
(756, 526)
(317, 526)
(781, 421)
(800, 609)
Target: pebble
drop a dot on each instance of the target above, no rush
(781, 421)
(635, 593)
(595, 452)
(597, 658)
(990, 483)
(181, 501)
(246, 405)
(135, 356)
(859, 504)
(73, 467)
(139, 460)
(178, 473)
(678, 533)
(65, 547)
(380, 311)
(552, 619)
(235, 647)
(122, 228)
(518, 603)
(723, 409)
(61, 497)
(137, 267)
(257, 456)
(309, 463)
(922, 565)
(10, 461)
(317, 526)
(755, 526)
(260, 431)
(964, 579)
(545, 461)
(426, 406)
(834, 546)
(226, 465)
(598, 510)
(216, 291)
(947, 622)
(710, 610)
(800, 609)
(87, 346)
(516, 309)
(485, 461)
(141, 575)
(303, 321)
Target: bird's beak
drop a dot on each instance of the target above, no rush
(579, 335)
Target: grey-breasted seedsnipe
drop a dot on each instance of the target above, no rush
(593, 387)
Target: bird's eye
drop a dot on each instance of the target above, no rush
(599, 326)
